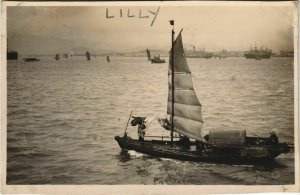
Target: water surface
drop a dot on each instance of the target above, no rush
(63, 116)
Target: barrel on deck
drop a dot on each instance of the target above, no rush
(227, 138)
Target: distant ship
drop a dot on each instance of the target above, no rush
(88, 56)
(12, 55)
(155, 59)
(198, 54)
(258, 54)
(107, 59)
(31, 59)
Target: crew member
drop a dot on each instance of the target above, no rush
(185, 141)
(274, 138)
(141, 131)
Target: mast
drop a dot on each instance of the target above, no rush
(184, 117)
(173, 87)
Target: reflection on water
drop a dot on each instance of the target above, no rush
(63, 116)
(124, 156)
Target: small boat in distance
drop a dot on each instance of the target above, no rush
(31, 59)
(107, 59)
(184, 116)
(156, 59)
(57, 56)
(148, 54)
(88, 56)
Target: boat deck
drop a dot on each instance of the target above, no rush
(236, 154)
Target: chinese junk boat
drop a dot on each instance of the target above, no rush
(88, 56)
(57, 56)
(156, 59)
(184, 116)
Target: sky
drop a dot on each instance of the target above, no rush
(49, 30)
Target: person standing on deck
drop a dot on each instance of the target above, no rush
(141, 131)
(143, 123)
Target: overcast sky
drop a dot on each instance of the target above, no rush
(48, 30)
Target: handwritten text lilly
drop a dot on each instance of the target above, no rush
(131, 13)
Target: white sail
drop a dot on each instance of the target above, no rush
(187, 108)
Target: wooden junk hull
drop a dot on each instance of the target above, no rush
(248, 154)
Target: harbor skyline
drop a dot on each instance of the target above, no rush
(48, 30)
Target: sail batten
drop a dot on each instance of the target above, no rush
(181, 81)
(187, 127)
(188, 97)
(187, 107)
(179, 73)
(187, 111)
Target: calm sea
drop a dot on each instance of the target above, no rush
(63, 116)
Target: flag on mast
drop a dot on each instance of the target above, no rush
(172, 22)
